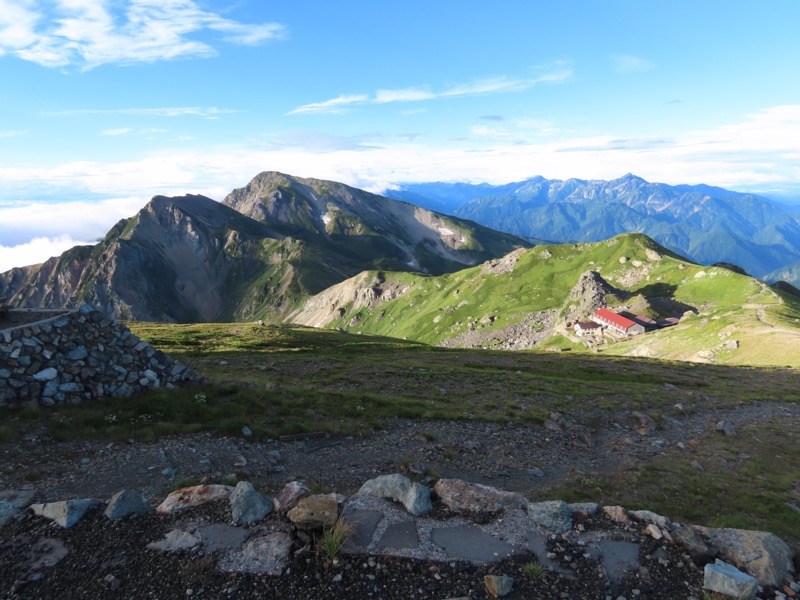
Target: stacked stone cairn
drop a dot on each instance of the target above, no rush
(79, 355)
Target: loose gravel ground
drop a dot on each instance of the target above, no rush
(107, 560)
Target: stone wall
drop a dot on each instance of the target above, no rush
(79, 355)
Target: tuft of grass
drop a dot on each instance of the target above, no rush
(534, 571)
(335, 537)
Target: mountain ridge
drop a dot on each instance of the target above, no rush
(705, 223)
(190, 258)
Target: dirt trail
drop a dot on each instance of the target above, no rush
(528, 459)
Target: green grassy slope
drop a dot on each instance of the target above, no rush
(730, 317)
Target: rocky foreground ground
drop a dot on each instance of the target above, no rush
(447, 551)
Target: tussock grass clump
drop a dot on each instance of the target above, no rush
(335, 537)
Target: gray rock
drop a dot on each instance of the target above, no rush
(79, 353)
(415, 497)
(47, 374)
(247, 505)
(65, 513)
(126, 503)
(554, 515)
(292, 493)
(726, 428)
(726, 579)
(462, 497)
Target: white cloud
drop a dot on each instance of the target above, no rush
(406, 95)
(760, 149)
(10, 134)
(205, 112)
(558, 73)
(332, 106)
(22, 222)
(626, 63)
(36, 251)
(90, 33)
(119, 131)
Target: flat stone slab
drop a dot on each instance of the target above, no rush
(364, 523)
(266, 554)
(537, 543)
(219, 537)
(176, 540)
(21, 498)
(470, 543)
(400, 536)
(619, 558)
(46, 552)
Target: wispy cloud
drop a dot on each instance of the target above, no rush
(10, 134)
(89, 33)
(205, 112)
(559, 72)
(627, 63)
(119, 131)
(332, 106)
(622, 144)
(406, 95)
(315, 142)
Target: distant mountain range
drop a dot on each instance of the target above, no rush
(255, 255)
(704, 223)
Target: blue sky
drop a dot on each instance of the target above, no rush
(107, 103)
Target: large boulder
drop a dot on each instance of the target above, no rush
(193, 496)
(315, 512)
(763, 555)
(415, 497)
(463, 497)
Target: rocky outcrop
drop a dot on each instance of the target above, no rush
(589, 294)
(80, 355)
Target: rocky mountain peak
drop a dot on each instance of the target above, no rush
(589, 294)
